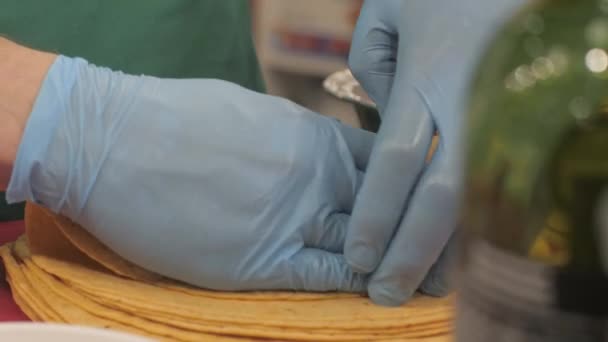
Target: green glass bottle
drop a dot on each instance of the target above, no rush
(535, 264)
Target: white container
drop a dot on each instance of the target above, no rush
(41, 332)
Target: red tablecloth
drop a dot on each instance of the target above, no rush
(9, 311)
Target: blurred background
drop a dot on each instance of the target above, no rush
(300, 43)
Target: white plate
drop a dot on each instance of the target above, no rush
(40, 332)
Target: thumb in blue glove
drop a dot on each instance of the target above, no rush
(373, 56)
(199, 180)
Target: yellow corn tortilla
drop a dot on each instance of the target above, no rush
(24, 292)
(44, 238)
(26, 308)
(144, 298)
(22, 302)
(253, 331)
(71, 304)
(69, 262)
(432, 148)
(56, 297)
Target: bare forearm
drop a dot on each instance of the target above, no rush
(22, 72)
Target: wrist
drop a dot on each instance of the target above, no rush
(22, 72)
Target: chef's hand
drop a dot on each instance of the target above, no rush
(415, 58)
(199, 180)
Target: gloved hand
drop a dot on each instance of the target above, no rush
(199, 180)
(415, 59)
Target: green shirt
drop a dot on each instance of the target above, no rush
(164, 38)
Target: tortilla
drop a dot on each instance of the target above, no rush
(26, 296)
(252, 331)
(101, 312)
(50, 285)
(432, 148)
(58, 297)
(44, 238)
(26, 308)
(71, 274)
(349, 313)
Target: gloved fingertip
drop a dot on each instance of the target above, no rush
(435, 286)
(362, 258)
(440, 278)
(388, 296)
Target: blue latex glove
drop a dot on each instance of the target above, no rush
(199, 180)
(415, 58)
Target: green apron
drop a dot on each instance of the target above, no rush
(164, 38)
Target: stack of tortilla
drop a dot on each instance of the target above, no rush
(60, 273)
